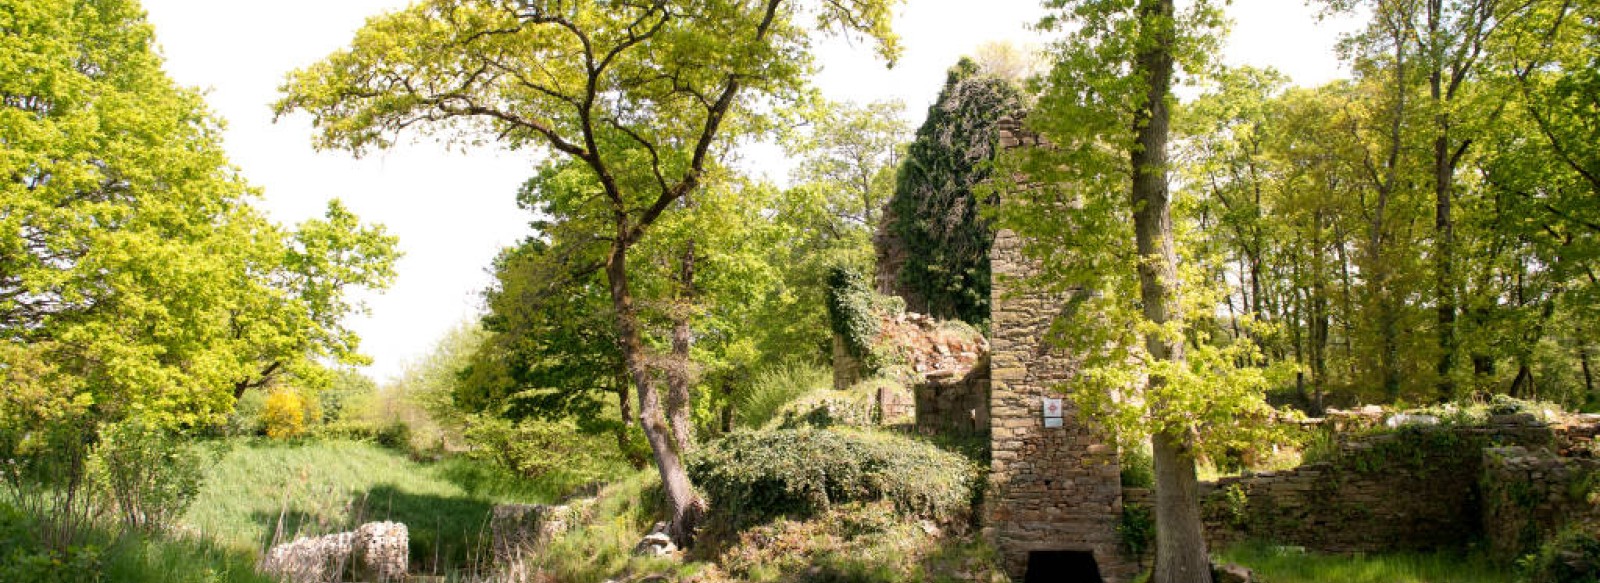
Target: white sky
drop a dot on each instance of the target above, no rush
(453, 211)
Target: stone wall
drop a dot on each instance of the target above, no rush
(955, 405)
(1412, 489)
(1530, 494)
(1050, 488)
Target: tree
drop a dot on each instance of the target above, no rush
(129, 255)
(640, 94)
(1106, 110)
(138, 288)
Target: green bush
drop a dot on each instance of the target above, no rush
(751, 476)
(152, 474)
(775, 387)
(395, 435)
(1138, 469)
(1571, 557)
(829, 408)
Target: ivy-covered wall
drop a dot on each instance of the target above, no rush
(933, 247)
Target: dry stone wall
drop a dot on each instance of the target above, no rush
(1412, 489)
(955, 405)
(1530, 494)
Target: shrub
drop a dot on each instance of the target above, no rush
(395, 435)
(1571, 557)
(246, 416)
(1138, 469)
(777, 386)
(151, 473)
(757, 475)
(283, 416)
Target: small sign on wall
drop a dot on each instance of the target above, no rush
(1052, 412)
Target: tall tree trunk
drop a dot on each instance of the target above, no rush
(687, 507)
(1443, 225)
(1180, 543)
(679, 372)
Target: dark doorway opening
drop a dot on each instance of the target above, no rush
(1062, 567)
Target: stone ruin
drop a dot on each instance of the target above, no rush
(376, 551)
(1055, 496)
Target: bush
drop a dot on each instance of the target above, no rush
(753, 476)
(777, 386)
(395, 435)
(1571, 557)
(246, 416)
(1138, 468)
(537, 449)
(283, 416)
(151, 473)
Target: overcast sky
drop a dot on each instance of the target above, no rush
(454, 210)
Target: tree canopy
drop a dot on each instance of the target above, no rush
(132, 267)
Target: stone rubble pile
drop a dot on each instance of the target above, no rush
(934, 348)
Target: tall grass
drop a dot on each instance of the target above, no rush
(779, 385)
(262, 492)
(1277, 565)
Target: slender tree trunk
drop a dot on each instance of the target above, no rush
(1180, 543)
(679, 371)
(1588, 377)
(687, 507)
(1443, 226)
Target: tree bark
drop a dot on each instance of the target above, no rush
(1180, 543)
(679, 371)
(687, 506)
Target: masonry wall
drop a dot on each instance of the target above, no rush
(1529, 495)
(955, 405)
(1413, 489)
(1050, 489)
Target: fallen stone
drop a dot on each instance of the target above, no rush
(1231, 573)
(656, 544)
(382, 552)
(320, 559)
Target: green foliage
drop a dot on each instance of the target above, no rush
(1573, 556)
(132, 260)
(1138, 469)
(151, 473)
(850, 311)
(1137, 529)
(865, 542)
(551, 450)
(1293, 565)
(753, 476)
(935, 213)
(775, 387)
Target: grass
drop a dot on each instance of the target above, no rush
(601, 549)
(1278, 565)
(102, 553)
(261, 492)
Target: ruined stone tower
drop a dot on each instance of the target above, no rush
(1055, 492)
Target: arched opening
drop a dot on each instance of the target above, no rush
(1062, 567)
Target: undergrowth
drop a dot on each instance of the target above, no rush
(1274, 564)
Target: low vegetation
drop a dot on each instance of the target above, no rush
(1274, 564)
(262, 492)
(754, 476)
